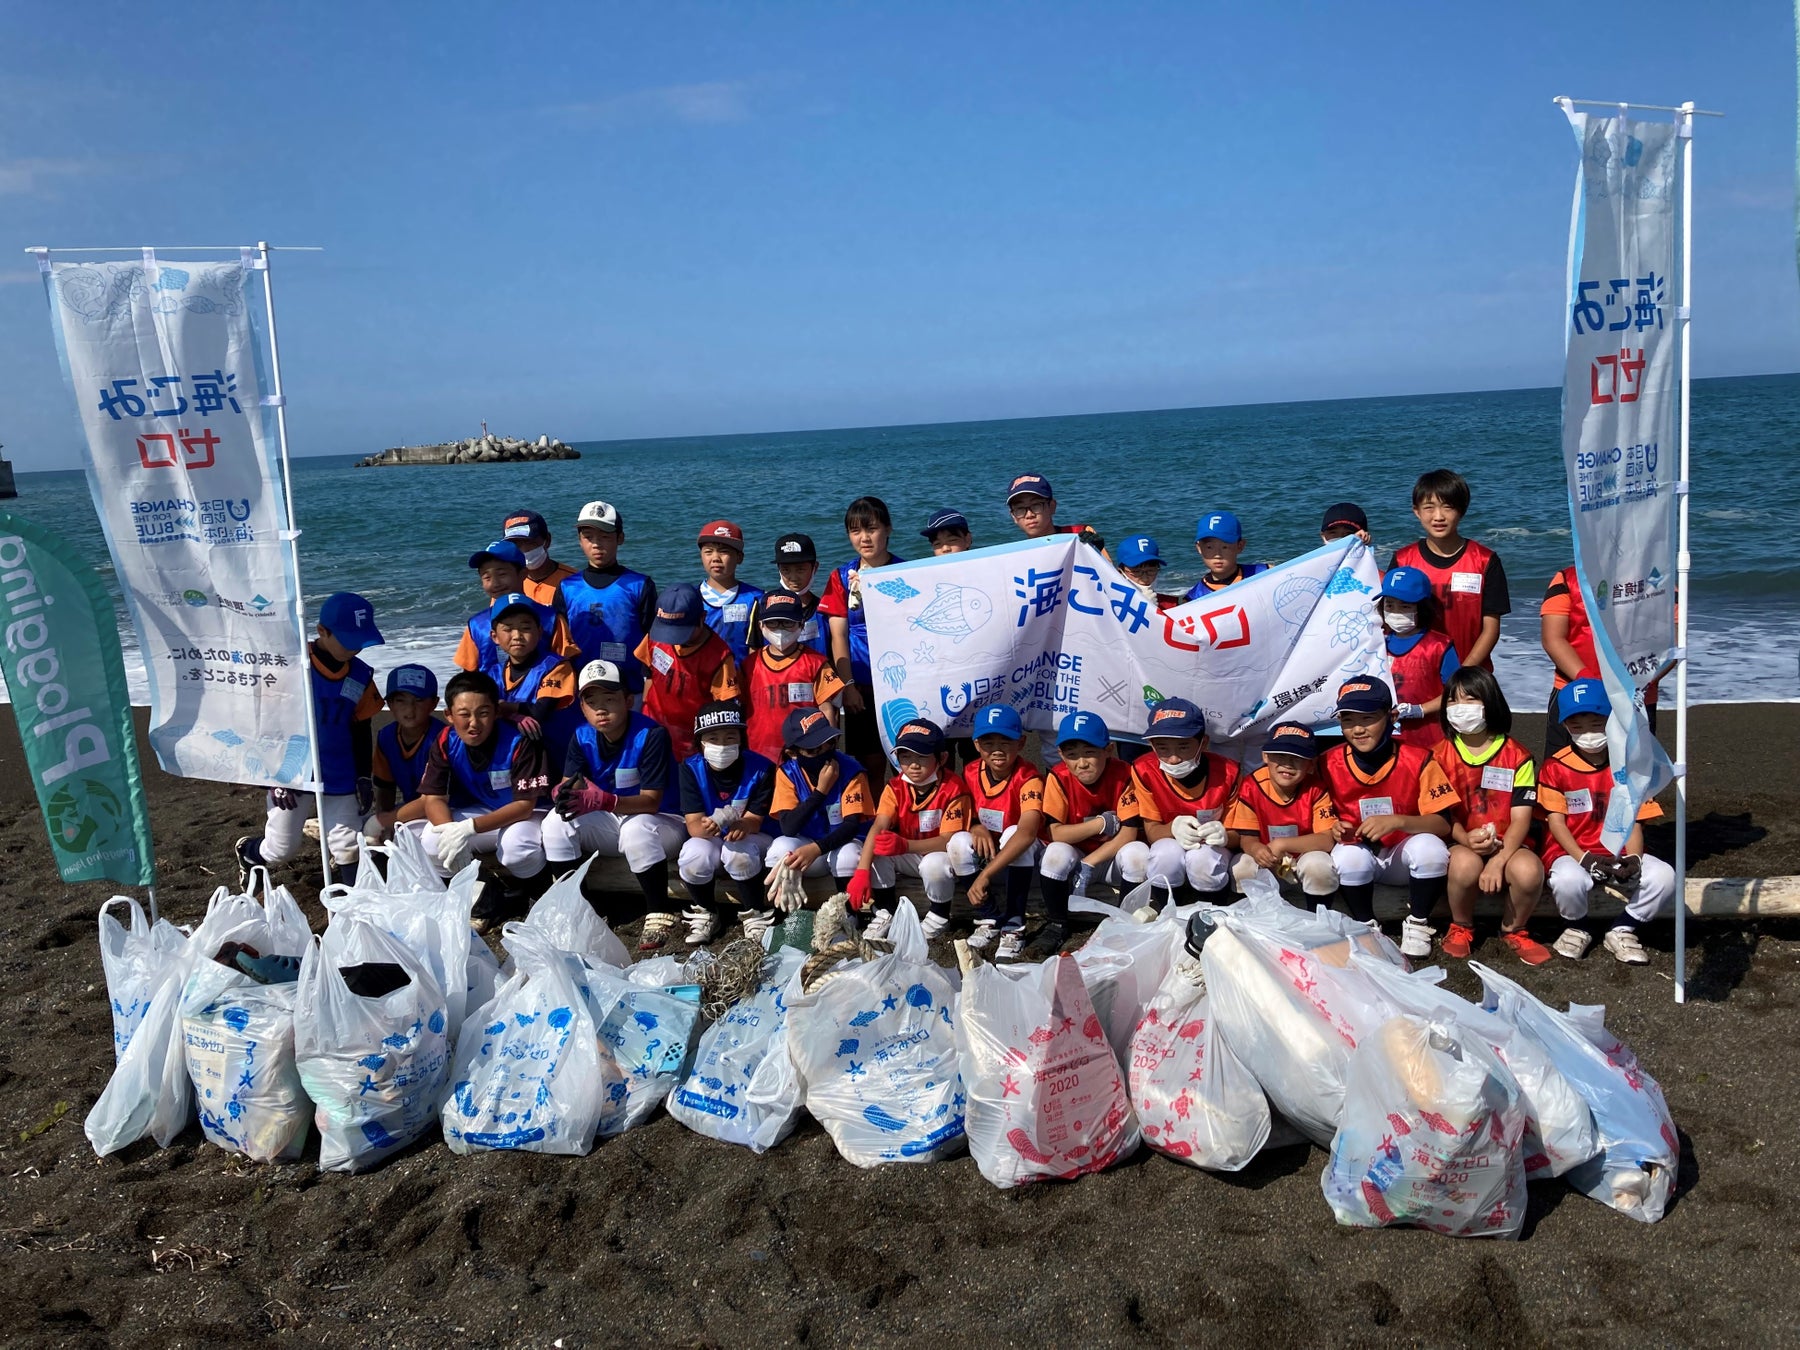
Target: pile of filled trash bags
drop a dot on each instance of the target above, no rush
(1207, 1033)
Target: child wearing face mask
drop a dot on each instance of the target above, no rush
(1573, 792)
(1421, 659)
(783, 674)
(1491, 827)
(544, 575)
(822, 804)
(1183, 792)
(726, 794)
(1141, 561)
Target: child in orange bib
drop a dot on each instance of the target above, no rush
(1006, 795)
(1282, 817)
(917, 815)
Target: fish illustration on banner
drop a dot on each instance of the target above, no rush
(1050, 627)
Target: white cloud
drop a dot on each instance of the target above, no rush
(713, 102)
(34, 177)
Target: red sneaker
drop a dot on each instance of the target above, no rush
(1526, 948)
(1459, 941)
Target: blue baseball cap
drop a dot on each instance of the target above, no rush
(501, 550)
(1137, 550)
(945, 520)
(1218, 525)
(1029, 483)
(351, 620)
(999, 719)
(545, 616)
(416, 680)
(525, 525)
(1408, 585)
(1086, 727)
(1364, 694)
(1582, 696)
(679, 612)
(1175, 718)
(1290, 738)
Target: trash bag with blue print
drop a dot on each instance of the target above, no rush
(371, 1042)
(742, 1089)
(648, 1034)
(873, 1044)
(529, 1072)
(135, 961)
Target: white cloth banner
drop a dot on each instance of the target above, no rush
(1051, 627)
(182, 463)
(1621, 392)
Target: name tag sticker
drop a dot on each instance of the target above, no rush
(809, 631)
(835, 814)
(613, 651)
(499, 778)
(1466, 583)
(993, 819)
(1580, 802)
(662, 659)
(1376, 806)
(737, 613)
(1205, 816)
(1495, 779)
(929, 822)
(800, 692)
(1284, 831)
(625, 780)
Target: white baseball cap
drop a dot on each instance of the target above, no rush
(601, 515)
(602, 673)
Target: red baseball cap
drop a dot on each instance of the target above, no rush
(722, 532)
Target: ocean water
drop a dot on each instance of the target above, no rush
(402, 536)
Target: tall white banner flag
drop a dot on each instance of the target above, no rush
(182, 463)
(1051, 627)
(1621, 396)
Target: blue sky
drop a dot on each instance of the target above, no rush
(622, 220)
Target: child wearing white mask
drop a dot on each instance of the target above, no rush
(784, 673)
(543, 574)
(1493, 823)
(726, 792)
(1573, 792)
(1420, 659)
(1183, 792)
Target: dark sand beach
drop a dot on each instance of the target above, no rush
(664, 1236)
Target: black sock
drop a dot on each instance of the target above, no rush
(1422, 895)
(1184, 895)
(703, 892)
(749, 892)
(941, 907)
(1018, 892)
(1056, 892)
(1625, 923)
(1359, 900)
(653, 881)
(886, 897)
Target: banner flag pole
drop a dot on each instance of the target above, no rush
(292, 537)
(1683, 601)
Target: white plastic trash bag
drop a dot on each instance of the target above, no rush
(566, 920)
(135, 960)
(1430, 1136)
(374, 1066)
(647, 1033)
(1634, 1172)
(1280, 985)
(1045, 1094)
(1124, 960)
(874, 1047)
(742, 1089)
(529, 1071)
(1559, 1127)
(1194, 1097)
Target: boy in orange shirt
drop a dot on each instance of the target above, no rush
(1282, 818)
(686, 666)
(1091, 826)
(783, 674)
(1007, 795)
(918, 813)
(1182, 792)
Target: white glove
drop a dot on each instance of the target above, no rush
(372, 829)
(1212, 833)
(1408, 712)
(786, 888)
(1192, 833)
(455, 845)
(727, 816)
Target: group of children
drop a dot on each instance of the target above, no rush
(719, 726)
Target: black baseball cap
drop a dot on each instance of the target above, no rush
(922, 736)
(1344, 513)
(795, 548)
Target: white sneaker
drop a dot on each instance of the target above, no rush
(656, 930)
(1573, 943)
(1415, 937)
(983, 934)
(1626, 949)
(878, 926)
(757, 923)
(1012, 943)
(702, 925)
(934, 924)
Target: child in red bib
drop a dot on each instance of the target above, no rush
(1420, 660)
(1466, 577)
(1183, 791)
(1282, 817)
(1573, 792)
(1006, 798)
(686, 666)
(1091, 828)
(783, 674)
(1491, 826)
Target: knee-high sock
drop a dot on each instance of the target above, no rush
(1422, 895)
(1056, 892)
(653, 881)
(1359, 900)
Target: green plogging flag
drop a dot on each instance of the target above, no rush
(59, 651)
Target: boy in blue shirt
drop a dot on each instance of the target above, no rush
(726, 791)
(345, 702)
(608, 607)
(1218, 539)
(728, 601)
(502, 569)
(401, 749)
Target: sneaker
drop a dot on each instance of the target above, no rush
(489, 909)
(1527, 948)
(757, 923)
(935, 924)
(286, 969)
(1047, 942)
(656, 930)
(1415, 937)
(878, 925)
(1459, 941)
(983, 934)
(1573, 943)
(1626, 949)
(246, 862)
(702, 925)
(1012, 943)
